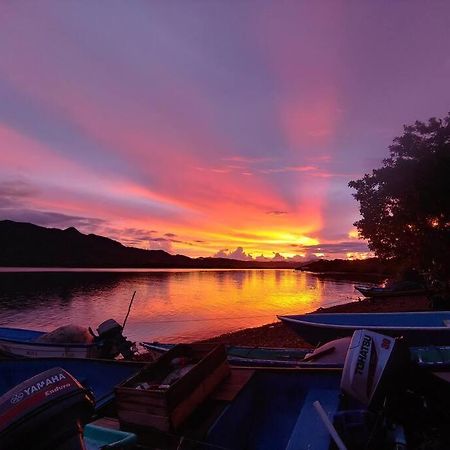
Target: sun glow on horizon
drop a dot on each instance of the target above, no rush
(184, 137)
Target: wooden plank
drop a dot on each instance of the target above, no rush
(176, 403)
(232, 385)
(198, 395)
(182, 388)
(143, 408)
(133, 418)
(140, 398)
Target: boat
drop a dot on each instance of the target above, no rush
(419, 328)
(265, 408)
(375, 292)
(275, 410)
(328, 356)
(431, 357)
(100, 376)
(367, 404)
(24, 343)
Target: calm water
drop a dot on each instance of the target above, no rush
(170, 305)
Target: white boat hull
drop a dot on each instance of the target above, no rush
(35, 350)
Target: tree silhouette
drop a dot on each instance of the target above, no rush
(405, 205)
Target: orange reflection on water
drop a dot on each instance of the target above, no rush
(197, 304)
(170, 305)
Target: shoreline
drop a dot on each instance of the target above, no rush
(277, 334)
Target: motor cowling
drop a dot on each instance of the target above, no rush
(45, 412)
(372, 366)
(112, 340)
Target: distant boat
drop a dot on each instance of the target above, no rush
(373, 292)
(419, 328)
(100, 376)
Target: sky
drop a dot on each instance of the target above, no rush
(211, 128)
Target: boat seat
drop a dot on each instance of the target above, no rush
(309, 432)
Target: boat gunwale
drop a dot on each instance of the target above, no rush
(75, 359)
(100, 401)
(373, 292)
(261, 363)
(161, 346)
(43, 344)
(290, 318)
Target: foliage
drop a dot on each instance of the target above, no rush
(369, 266)
(405, 205)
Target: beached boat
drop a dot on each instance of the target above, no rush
(330, 355)
(23, 343)
(419, 328)
(431, 357)
(301, 408)
(100, 376)
(275, 411)
(372, 292)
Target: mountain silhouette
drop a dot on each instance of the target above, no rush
(29, 245)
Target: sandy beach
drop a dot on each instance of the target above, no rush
(279, 335)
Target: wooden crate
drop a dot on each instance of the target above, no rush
(167, 409)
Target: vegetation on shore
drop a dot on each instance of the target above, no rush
(361, 269)
(405, 206)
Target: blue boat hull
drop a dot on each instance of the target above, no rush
(98, 375)
(417, 328)
(275, 411)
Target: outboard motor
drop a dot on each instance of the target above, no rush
(372, 366)
(45, 412)
(112, 340)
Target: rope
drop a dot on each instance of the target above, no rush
(211, 318)
(338, 302)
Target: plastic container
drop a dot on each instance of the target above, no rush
(97, 438)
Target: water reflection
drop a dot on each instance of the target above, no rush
(169, 305)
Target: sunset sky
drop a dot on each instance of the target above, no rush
(227, 128)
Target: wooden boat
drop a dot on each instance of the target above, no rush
(248, 356)
(100, 376)
(419, 328)
(375, 292)
(19, 342)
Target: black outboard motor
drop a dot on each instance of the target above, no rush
(45, 412)
(112, 340)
